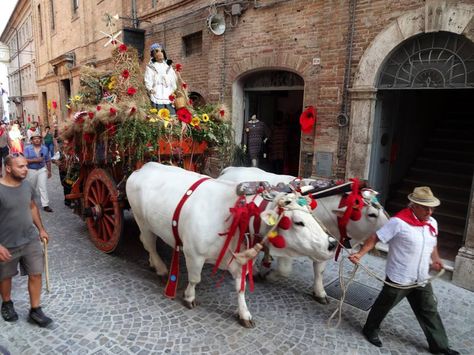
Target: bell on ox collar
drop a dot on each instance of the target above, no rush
(269, 217)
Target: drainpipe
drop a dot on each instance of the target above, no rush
(342, 118)
(19, 74)
(134, 14)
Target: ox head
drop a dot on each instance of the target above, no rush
(372, 217)
(304, 236)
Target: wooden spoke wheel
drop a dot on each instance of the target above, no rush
(104, 215)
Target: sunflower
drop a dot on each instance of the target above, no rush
(195, 121)
(164, 114)
(205, 118)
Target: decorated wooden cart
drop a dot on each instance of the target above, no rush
(112, 130)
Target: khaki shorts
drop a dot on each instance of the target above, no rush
(30, 258)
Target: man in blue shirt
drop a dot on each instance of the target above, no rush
(39, 168)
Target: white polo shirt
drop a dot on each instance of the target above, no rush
(410, 248)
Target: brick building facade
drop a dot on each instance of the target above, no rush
(275, 57)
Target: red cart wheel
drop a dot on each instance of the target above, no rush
(104, 213)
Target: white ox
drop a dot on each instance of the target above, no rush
(373, 218)
(155, 190)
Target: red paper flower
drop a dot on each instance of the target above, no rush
(88, 137)
(111, 129)
(131, 91)
(125, 74)
(122, 48)
(184, 115)
(171, 97)
(91, 115)
(133, 110)
(178, 67)
(98, 108)
(222, 113)
(112, 111)
(54, 104)
(308, 119)
(185, 86)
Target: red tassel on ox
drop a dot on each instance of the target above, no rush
(172, 284)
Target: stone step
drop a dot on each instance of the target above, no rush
(451, 143)
(447, 154)
(451, 192)
(440, 176)
(449, 221)
(445, 166)
(454, 206)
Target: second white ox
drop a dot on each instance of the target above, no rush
(327, 212)
(154, 193)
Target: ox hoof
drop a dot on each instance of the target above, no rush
(190, 305)
(260, 277)
(247, 323)
(322, 300)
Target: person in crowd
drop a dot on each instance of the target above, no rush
(16, 139)
(411, 235)
(4, 145)
(39, 168)
(160, 78)
(48, 140)
(33, 130)
(19, 242)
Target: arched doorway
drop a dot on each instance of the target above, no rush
(275, 97)
(424, 128)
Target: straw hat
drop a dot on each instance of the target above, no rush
(423, 196)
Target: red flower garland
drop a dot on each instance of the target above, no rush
(91, 115)
(112, 111)
(178, 67)
(171, 97)
(131, 91)
(122, 48)
(125, 74)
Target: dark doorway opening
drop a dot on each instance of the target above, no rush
(65, 92)
(280, 111)
(430, 140)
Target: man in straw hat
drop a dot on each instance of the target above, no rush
(19, 242)
(411, 235)
(39, 168)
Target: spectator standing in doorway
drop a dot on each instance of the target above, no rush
(39, 168)
(19, 242)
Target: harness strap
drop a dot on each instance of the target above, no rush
(173, 276)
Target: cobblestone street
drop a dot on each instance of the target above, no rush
(114, 304)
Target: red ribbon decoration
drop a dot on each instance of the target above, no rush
(354, 203)
(308, 119)
(173, 276)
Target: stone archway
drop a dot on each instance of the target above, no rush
(249, 65)
(436, 15)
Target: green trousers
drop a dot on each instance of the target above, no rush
(423, 304)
